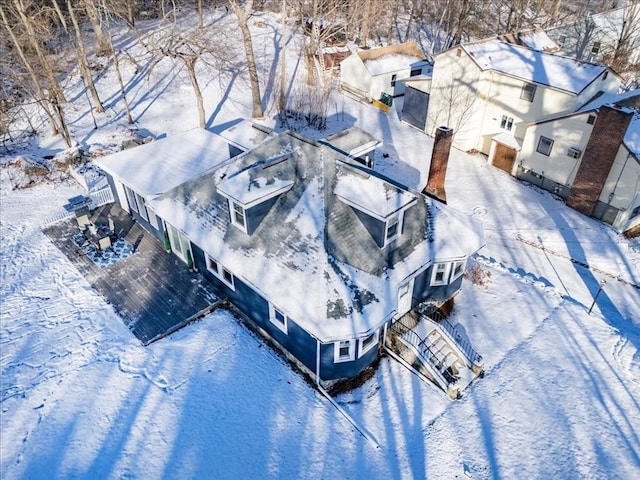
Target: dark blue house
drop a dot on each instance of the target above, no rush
(320, 252)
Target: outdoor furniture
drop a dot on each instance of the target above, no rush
(104, 243)
(76, 203)
(83, 221)
(112, 227)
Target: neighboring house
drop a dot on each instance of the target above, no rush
(611, 37)
(373, 72)
(591, 158)
(489, 91)
(321, 253)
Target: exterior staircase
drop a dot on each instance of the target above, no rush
(436, 350)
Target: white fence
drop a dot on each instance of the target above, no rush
(98, 198)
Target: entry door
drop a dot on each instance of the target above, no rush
(405, 294)
(504, 157)
(179, 243)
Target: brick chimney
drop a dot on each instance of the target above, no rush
(439, 161)
(601, 150)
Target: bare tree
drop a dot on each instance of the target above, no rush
(243, 15)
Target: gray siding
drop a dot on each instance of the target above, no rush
(374, 226)
(423, 291)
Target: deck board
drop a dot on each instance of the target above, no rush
(152, 290)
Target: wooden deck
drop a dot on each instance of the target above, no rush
(152, 290)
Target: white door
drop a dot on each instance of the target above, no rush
(179, 243)
(405, 294)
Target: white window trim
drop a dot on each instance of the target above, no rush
(272, 316)
(352, 351)
(232, 215)
(362, 349)
(220, 272)
(506, 123)
(548, 154)
(400, 218)
(455, 276)
(445, 276)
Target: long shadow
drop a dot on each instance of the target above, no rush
(609, 310)
(223, 100)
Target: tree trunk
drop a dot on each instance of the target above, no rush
(190, 63)
(283, 60)
(96, 23)
(243, 16)
(123, 92)
(82, 59)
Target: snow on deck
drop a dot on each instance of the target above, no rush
(156, 167)
(534, 66)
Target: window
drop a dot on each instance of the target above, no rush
(591, 120)
(344, 351)
(458, 52)
(142, 208)
(528, 92)
(415, 72)
(458, 270)
(219, 271)
(596, 47)
(393, 229)
(561, 40)
(278, 318)
(131, 199)
(440, 273)
(606, 74)
(574, 152)
(393, 80)
(213, 266)
(544, 146)
(506, 123)
(238, 215)
(635, 212)
(367, 343)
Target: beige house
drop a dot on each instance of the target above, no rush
(490, 91)
(370, 73)
(591, 158)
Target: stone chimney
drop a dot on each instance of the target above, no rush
(439, 161)
(601, 150)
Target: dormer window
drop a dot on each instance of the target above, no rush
(238, 215)
(378, 204)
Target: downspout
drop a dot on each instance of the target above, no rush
(317, 362)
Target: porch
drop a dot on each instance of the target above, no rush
(154, 293)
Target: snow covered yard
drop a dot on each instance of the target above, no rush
(81, 398)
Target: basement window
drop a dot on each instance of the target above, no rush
(393, 80)
(278, 318)
(574, 152)
(528, 92)
(367, 343)
(544, 146)
(591, 119)
(344, 351)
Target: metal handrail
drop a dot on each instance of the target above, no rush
(454, 335)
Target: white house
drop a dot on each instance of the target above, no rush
(489, 91)
(371, 73)
(591, 158)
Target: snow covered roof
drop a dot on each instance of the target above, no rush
(311, 255)
(536, 39)
(163, 164)
(354, 141)
(534, 66)
(246, 134)
(392, 58)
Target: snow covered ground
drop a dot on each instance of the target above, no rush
(81, 398)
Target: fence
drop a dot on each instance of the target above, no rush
(97, 199)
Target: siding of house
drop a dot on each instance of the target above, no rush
(333, 371)
(623, 181)
(566, 132)
(254, 215)
(424, 291)
(354, 75)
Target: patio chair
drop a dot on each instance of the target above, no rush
(104, 243)
(83, 221)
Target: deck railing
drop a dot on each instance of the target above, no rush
(97, 199)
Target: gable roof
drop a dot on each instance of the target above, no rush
(156, 167)
(533, 66)
(311, 255)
